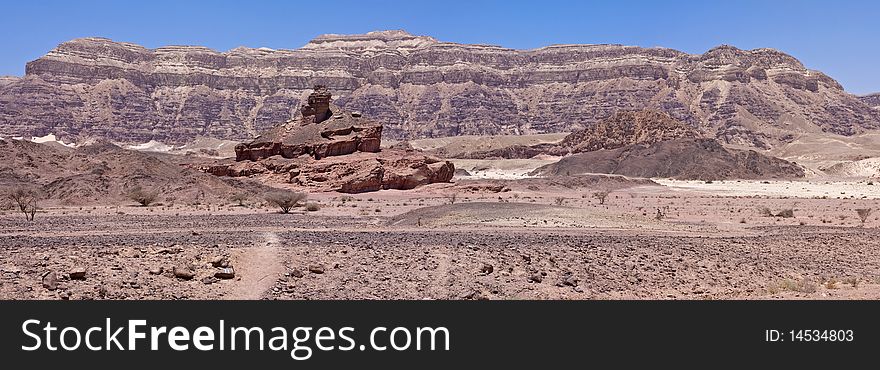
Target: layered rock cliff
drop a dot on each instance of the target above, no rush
(420, 87)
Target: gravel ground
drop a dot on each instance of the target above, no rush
(333, 255)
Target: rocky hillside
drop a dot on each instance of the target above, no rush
(872, 100)
(102, 173)
(419, 87)
(683, 159)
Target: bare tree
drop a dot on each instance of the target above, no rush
(601, 195)
(239, 198)
(863, 214)
(143, 196)
(285, 200)
(25, 199)
(452, 197)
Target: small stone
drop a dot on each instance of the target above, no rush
(297, 273)
(209, 280)
(316, 269)
(64, 295)
(157, 270)
(78, 273)
(487, 269)
(183, 273)
(50, 280)
(217, 261)
(356, 114)
(536, 278)
(225, 273)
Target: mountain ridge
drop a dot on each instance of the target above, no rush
(420, 87)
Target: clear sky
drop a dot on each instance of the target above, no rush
(840, 38)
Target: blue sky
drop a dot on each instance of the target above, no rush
(840, 38)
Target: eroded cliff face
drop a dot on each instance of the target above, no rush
(419, 87)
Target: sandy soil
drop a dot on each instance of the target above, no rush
(685, 241)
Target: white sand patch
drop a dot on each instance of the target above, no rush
(152, 146)
(793, 189)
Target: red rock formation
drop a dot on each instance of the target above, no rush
(354, 173)
(321, 131)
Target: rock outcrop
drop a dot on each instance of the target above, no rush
(320, 131)
(683, 159)
(354, 173)
(332, 150)
(622, 129)
(627, 128)
(419, 87)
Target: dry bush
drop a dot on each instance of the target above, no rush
(601, 195)
(786, 213)
(239, 198)
(452, 197)
(142, 196)
(863, 214)
(312, 207)
(25, 199)
(800, 286)
(285, 200)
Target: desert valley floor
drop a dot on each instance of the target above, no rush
(679, 240)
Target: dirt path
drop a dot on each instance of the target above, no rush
(258, 267)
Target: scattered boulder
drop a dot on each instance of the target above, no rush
(297, 273)
(219, 261)
(183, 273)
(225, 273)
(50, 280)
(486, 269)
(316, 269)
(156, 270)
(78, 273)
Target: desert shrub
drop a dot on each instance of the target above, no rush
(800, 286)
(25, 200)
(239, 198)
(863, 214)
(601, 195)
(786, 213)
(452, 197)
(285, 200)
(312, 207)
(142, 196)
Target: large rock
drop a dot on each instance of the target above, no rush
(320, 131)
(354, 173)
(419, 87)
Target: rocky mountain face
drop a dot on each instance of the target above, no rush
(872, 100)
(419, 87)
